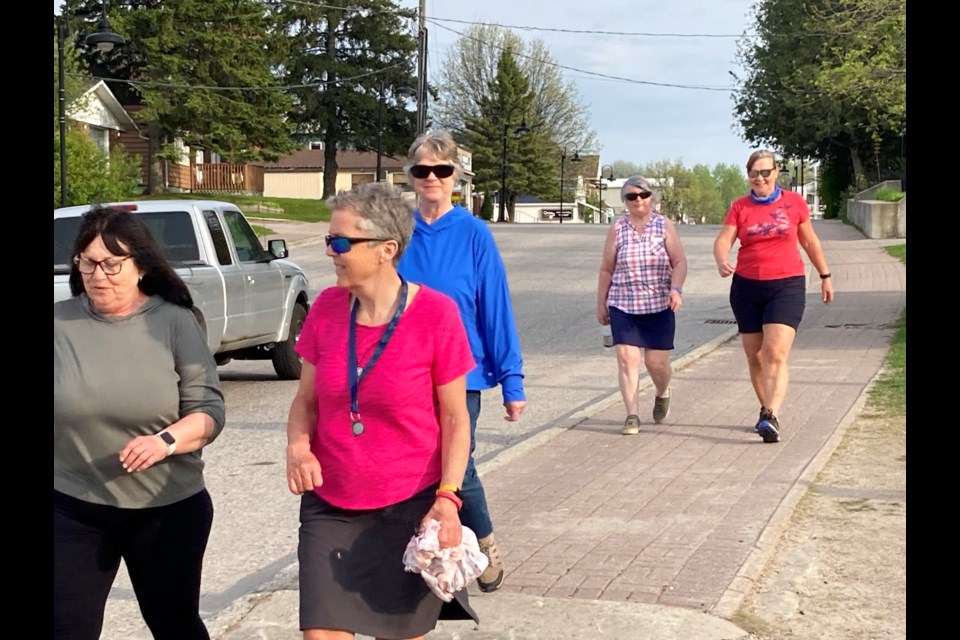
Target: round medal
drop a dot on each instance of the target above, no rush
(357, 428)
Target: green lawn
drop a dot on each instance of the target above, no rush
(889, 394)
(301, 210)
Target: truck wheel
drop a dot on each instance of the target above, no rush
(286, 360)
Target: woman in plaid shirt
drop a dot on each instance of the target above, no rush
(639, 290)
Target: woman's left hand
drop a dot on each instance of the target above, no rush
(445, 512)
(143, 452)
(826, 290)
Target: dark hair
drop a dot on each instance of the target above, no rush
(117, 226)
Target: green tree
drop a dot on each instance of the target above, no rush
(704, 202)
(466, 83)
(625, 168)
(204, 71)
(343, 55)
(486, 209)
(92, 176)
(826, 79)
(731, 184)
(529, 157)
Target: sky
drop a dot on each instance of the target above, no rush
(634, 121)
(684, 42)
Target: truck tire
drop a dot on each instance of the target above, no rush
(286, 360)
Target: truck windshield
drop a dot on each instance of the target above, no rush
(173, 231)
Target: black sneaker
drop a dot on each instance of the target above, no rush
(768, 426)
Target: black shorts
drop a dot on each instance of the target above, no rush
(644, 330)
(759, 302)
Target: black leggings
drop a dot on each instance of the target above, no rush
(162, 547)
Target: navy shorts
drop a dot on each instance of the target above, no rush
(644, 330)
(759, 302)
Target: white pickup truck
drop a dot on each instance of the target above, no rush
(250, 301)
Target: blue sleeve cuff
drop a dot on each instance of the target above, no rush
(512, 387)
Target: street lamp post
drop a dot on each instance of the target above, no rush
(104, 40)
(600, 186)
(522, 129)
(563, 158)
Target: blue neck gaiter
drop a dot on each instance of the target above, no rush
(770, 198)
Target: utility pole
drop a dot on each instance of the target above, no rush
(422, 69)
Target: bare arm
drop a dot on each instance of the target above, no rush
(191, 432)
(607, 263)
(811, 245)
(303, 468)
(454, 452)
(721, 249)
(678, 262)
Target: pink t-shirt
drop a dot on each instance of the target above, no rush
(769, 248)
(398, 454)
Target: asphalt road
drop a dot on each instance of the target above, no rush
(569, 376)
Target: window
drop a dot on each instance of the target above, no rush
(219, 237)
(248, 244)
(101, 138)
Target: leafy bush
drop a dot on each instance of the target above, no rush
(93, 177)
(486, 209)
(890, 195)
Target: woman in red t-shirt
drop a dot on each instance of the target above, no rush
(768, 291)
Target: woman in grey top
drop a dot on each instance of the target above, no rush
(136, 397)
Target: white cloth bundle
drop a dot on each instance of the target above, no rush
(445, 571)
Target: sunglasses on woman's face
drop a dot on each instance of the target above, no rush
(643, 195)
(753, 173)
(343, 244)
(421, 171)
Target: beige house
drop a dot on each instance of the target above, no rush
(300, 174)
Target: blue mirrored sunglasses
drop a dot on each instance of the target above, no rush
(343, 244)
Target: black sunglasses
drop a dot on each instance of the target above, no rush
(643, 195)
(342, 244)
(421, 171)
(753, 173)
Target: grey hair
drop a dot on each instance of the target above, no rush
(382, 211)
(638, 181)
(759, 155)
(439, 143)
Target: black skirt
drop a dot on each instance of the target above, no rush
(352, 576)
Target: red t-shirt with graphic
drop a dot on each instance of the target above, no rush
(769, 248)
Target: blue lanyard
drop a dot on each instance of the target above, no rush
(355, 374)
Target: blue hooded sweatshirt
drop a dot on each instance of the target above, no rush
(457, 256)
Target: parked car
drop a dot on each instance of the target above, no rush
(250, 301)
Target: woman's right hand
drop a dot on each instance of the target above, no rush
(603, 315)
(725, 268)
(303, 470)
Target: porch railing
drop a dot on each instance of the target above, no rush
(227, 177)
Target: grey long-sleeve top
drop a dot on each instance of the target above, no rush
(118, 378)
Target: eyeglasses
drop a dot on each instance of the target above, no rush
(109, 266)
(643, 195)
(342, 244)
(421, 171)
(753, 173)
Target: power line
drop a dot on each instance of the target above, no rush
(590, 73)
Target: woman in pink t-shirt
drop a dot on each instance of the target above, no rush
(378, 434)
(769, 287)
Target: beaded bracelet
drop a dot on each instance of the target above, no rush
(452, 497)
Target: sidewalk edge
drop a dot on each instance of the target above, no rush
(752, 569)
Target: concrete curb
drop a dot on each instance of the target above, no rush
(752, 569)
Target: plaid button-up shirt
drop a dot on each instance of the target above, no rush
(642, 274)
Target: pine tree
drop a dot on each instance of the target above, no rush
(348, 55)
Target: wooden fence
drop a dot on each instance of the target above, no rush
(227, 177)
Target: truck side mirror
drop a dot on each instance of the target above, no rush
(278, 248)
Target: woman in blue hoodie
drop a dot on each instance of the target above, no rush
(453, 252)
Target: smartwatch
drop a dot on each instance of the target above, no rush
(169, 440)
